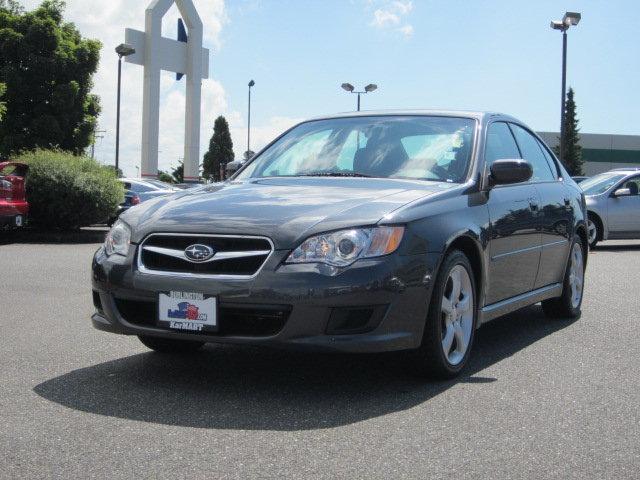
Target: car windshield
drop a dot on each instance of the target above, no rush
(600, 183)
(433, 148)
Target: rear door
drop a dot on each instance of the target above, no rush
(514, 230)
(624, 212)
(556, 209)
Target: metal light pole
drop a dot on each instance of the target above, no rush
(569, 19)
(123, 50)
(251, 84)
(369, 88)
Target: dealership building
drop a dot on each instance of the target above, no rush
(602, 152)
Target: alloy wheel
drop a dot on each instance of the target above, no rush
(576, 275)
(457, 314)
(592, 231)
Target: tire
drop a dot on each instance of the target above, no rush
(569, 303)
(450, 320)
(594, 230)
(165, 345)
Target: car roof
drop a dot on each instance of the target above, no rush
(627, 169)
(475, 114)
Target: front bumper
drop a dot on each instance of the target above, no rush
(396, 289)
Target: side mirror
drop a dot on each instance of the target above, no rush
(505, 172)
(622, 192)
(233, 167)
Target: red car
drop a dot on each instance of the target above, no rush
(13, 203)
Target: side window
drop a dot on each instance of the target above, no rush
(633, 184)
(500, 144)
(532, 153)
(552, 163)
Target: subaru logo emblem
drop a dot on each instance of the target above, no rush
(199, 252)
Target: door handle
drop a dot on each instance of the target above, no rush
(533, 203)
(567, 203)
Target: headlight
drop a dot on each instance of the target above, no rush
(344, 247)
(118, 238)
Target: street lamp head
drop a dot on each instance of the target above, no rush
(124, 50)
(558, 25)
(251, 83)
(347, 86)
(371, 87)
(571, 18)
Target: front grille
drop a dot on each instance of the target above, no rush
(233, 320)
(234, 255)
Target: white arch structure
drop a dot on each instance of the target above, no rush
(155, 53)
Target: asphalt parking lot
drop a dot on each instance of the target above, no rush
(541, 399)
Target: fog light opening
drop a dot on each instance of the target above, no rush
(354, 320)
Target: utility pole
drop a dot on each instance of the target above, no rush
(93, 144)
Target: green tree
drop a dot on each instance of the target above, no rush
(11, 6)
(47, 67)
(165, 177)
(3, 105)
(178, 173)
(572, 154)
(220, 150)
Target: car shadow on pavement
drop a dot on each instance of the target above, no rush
(615, 248)
(231, 387)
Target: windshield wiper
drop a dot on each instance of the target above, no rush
(333, 174)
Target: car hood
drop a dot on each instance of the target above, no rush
(286, 210)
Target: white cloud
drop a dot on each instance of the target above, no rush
(391, 15)
(406, 30)
(383, 18)
(403, 7)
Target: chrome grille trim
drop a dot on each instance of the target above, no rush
(220, 255)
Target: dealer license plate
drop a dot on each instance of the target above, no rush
(188, 311)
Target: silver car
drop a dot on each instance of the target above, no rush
(148, 188)
(613, 203)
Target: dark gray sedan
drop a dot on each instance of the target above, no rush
(363, 233)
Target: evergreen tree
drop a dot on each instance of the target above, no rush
(572, 154)
(220, 150)
(47, 67)
(165, 177)
(178, 173)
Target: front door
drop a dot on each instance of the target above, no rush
(514, 241)
(514, 230)
(624, 212)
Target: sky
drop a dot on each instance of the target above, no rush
(498, 55)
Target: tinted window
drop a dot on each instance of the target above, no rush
(500, 144)
(549, 158)
(419, 147)
(532, 153)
